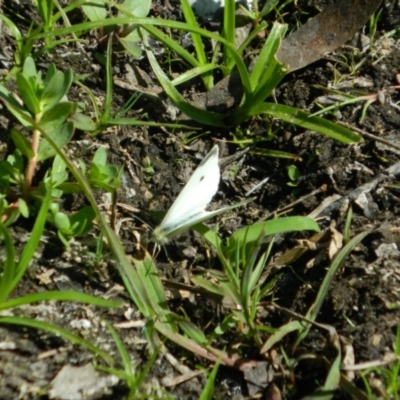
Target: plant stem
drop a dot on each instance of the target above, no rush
(30, 169)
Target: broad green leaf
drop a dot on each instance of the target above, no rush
(83, 122)
(60, 136)
(138, 8)
(131, 46)
(56, 89)
(23, 207)
(95, 10)
(51, 71)
(62, 222)
(29, 69)
(57, 115)
(293, 172)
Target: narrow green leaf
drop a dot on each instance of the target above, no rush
(208, 392)
(28, 94)
(303, 119)
(8, 263)
(73, 296)
(279, 334)
(191, 330)
(197, 114)
(14, 107)
(273, 227)
(33, 242)
(22, 144)
(197, 41)
(267, 54)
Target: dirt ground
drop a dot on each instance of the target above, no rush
(363, 304)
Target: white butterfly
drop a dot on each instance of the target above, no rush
(189, 207)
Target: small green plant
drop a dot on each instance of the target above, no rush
(293, 174)
(243, 284)
(44, 106)
(71, 226)
(258, 84)
(148, 168)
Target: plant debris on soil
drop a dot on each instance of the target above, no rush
(363, 304)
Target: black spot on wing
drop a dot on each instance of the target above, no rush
(202, 178)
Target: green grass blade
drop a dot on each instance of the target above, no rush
(194, 72)
(267, 55)
(197, 42)
(279, 334)
(8, 264)
(122, 351)
(173, 45)
(303, 119)
(34, 239)
(58, 296)
(228, 29)
(273, 227)
(208, 391)
(197, 114)
(109, 83)
(323, 290)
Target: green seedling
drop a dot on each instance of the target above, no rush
(243, 283)
(293, 174)
(148, 168)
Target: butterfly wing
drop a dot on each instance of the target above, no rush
(192, 201)
(197, 219)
